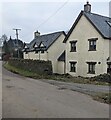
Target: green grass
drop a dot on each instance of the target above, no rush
(102, 97)
(21, 71)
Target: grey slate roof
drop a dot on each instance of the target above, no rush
(98, 21)
(47, 40)
(13, 43)
(101, 23)
(62, 56)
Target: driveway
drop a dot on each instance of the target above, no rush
(28, 98)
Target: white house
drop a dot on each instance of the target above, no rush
(88, 45)
(47, 47)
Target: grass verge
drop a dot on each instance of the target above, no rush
(102, 97)
(20, 71)
(64, 78)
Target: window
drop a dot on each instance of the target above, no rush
(26, 52)
(92, 44)
(36, 52)
(91, 67)
(42, 51)
(109, 23)
(109, 67)
(73, 46)
(73, 66)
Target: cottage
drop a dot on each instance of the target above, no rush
(47, 47)
(88, 45)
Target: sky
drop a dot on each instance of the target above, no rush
(46, 16)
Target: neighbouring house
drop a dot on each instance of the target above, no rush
(48, 47)
(88, 45)
(15, 47)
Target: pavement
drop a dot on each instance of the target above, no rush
(28, 98)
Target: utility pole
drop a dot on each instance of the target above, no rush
(16, 30)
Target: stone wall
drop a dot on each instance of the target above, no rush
(37, 66)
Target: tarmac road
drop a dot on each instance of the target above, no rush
(27, 98)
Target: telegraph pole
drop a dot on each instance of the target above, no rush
(16, 30)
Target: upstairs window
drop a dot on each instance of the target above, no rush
(26, 52)
(92, 44)
(73, 66)
(91, 67)
(42, 51)
(36, 52)
(109, 23)
(73, 46)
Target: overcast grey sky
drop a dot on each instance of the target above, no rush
(30, 15)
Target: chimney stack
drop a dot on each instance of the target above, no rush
(36, 34)
(87, 7)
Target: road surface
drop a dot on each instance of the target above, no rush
(28, 98)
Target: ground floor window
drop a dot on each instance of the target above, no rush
(91, 67)
(73, 66)
(109, 67)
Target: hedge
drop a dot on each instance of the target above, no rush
(37, 66)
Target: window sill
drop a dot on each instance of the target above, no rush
(73, 51)
(90, 73)
(92, 50)
(73, 71)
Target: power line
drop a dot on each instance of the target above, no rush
(53, 14)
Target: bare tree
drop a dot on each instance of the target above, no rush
(3, 39)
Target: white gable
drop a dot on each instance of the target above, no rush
(35, 45)
(42, 45)
(26, 46)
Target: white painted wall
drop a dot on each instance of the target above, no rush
(82, 32)
(26, 56)
(52, 54)
(61, 67)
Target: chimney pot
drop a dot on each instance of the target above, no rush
(36, 34)
(87, 7)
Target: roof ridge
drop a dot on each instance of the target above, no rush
(51, 33)
(98, 15)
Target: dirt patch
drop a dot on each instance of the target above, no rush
(7, 79)
(9, 86)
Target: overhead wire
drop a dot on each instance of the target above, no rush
(52, 14)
